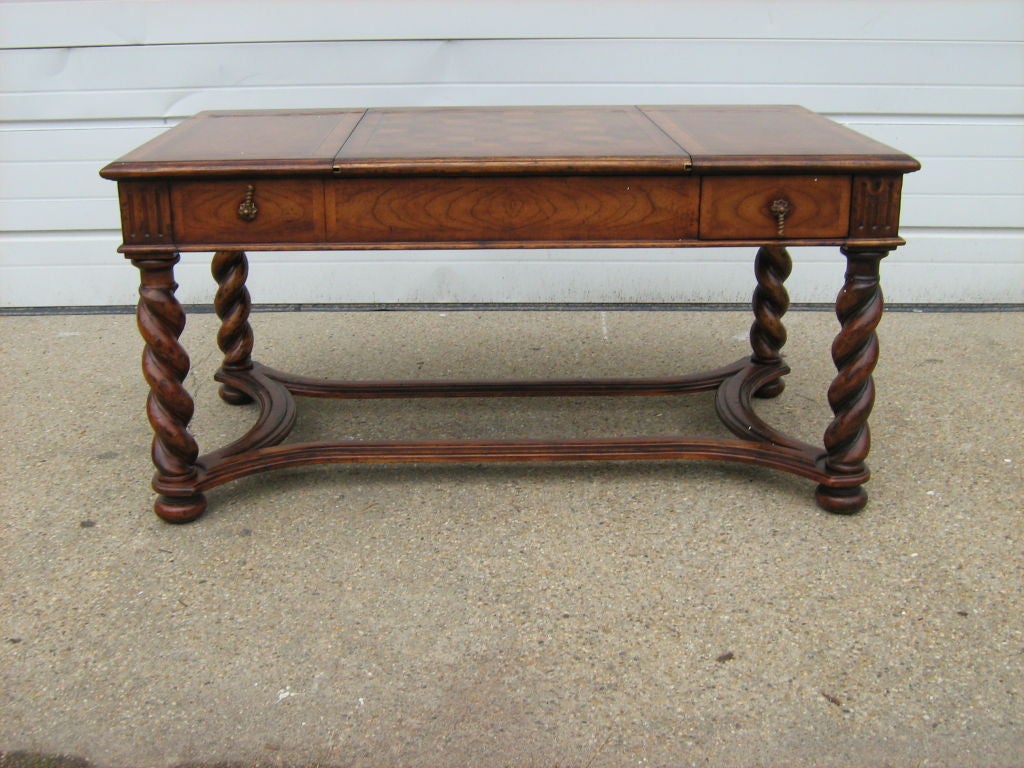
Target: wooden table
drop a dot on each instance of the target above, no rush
(521, 177)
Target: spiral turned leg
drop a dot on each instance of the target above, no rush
(852, 393)
(768, 335)
(165, 365)
(230, 270)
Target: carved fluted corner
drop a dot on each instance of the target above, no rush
(770, 302)
(232, 303)
(851, 395)
(169, 407)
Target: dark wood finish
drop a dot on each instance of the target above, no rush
(709, 139)
(146, 214)
(772, 266)
(771, 139)
(852, 392)
(512, 209)
(259, 451)
(288, 209)
(266, 142)
(507, 140)
(232, 304)
(876, 206)
(740, 207)
(165, 365)
(508, 177)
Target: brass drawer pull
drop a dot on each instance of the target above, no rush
(247, 210)
(779, 209)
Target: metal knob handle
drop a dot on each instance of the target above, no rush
(247, 210)
(779, 208)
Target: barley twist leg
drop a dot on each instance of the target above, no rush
(165, 364)
(852, 393)
(230, 270)
(768, 335)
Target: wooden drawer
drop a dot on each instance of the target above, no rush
(285, 211)
(741, 207)
(523, 209)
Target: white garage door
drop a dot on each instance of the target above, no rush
(83, 82)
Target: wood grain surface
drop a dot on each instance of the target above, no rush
(740, 206)
(510, 177)
(549, 208)
(288, 209)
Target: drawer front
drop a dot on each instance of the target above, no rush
(749, 207)
(240, 211)
(591, 209)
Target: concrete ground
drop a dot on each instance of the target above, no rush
(571, 615)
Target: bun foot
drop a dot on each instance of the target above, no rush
(182, 509)
(233, 396)
(771, 389)
(841, 501)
